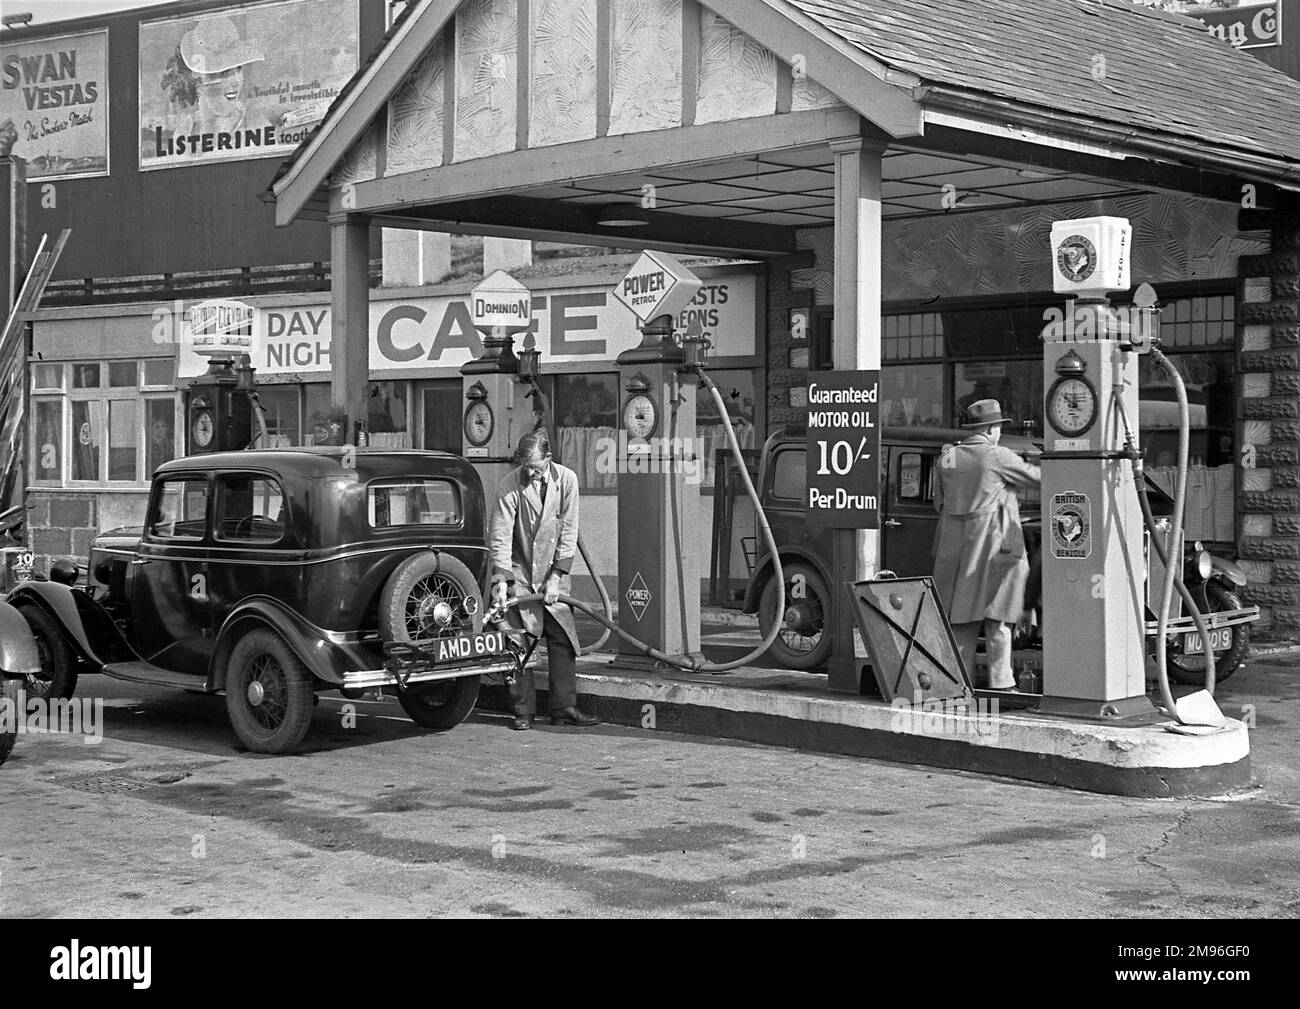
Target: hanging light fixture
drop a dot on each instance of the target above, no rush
(622, 215)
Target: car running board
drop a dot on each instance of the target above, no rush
(147, 672)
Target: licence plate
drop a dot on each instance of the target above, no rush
(470, 646)
(1220, 640)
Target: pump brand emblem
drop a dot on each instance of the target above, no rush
(1076, 259)
(638, 596)
(1071, 526)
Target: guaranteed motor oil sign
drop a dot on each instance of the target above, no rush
(843, 445)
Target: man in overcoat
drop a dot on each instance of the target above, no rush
(533, 539)
(981, 565)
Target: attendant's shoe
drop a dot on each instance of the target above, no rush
(572, 716)
(522, 723)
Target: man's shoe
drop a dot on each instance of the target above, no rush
(572, 716)
(522, 722)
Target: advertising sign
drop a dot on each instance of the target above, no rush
(843, 446)
(500, 300)
(243, 82)
(220, 327)
(1250, 26)
(1071, 526)
(569, 325)
(657, 285)
(54, 104)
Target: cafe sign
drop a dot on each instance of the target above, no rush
(1246, 27)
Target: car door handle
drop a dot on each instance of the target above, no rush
(891, 523)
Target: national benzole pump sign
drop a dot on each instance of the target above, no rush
(501, 301)
(657, 285)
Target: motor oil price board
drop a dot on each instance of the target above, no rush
(843, 443)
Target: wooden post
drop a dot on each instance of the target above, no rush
(349, 322)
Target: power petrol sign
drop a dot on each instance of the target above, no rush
(657, 285)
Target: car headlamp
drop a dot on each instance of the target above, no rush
(1204, 565)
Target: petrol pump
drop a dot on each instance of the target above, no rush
(221, 412)
(658, 508)
(500, 307)
(1092, 552)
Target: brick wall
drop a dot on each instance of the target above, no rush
(61, 524)
(1269, 424)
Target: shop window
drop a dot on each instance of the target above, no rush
(737, 389)
(160, 415)
(280, 406)
(917, 335)
(586, 426)
(1211, 394)
(1016, 385)
(442, 404)
(317, 410)
(115, 424)
(912, 395)
(386, 421)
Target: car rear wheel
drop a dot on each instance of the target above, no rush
(440, 705)
(430, 595)
(9, 714)
(269, 696)
(1190, 669)
(804, 642)
(58, 676)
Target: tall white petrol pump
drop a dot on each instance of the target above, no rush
(1092, 550)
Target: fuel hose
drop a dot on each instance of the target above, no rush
(1171, 580)
(607, 617)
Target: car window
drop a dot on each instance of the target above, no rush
(391, 504)
(790, 474)
(913, 477)
(250, 508)
(179, 509)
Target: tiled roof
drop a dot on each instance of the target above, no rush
(1162, 72)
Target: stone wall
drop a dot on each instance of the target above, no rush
(1269, 424)
(62, 523)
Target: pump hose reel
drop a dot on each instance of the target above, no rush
(607, 617)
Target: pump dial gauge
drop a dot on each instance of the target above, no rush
(202, 428)
(479, 423)
(1072, 405)
(640, 418)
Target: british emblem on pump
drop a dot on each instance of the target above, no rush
(1071, 525)
(1077, 258)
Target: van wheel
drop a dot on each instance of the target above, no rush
(58, 676)
(9, 688)
(804, 642)
(269, 696)
(423, 590)
(440, 705)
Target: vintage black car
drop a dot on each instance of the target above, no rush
(274, 574)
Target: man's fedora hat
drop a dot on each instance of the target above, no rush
(213, 46)
(984, 412)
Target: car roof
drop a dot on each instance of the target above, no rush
(320, 461)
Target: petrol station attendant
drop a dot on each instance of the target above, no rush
(980, 564)
(533, 540)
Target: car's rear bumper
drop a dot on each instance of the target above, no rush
(1213, 620)
(368, 679)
